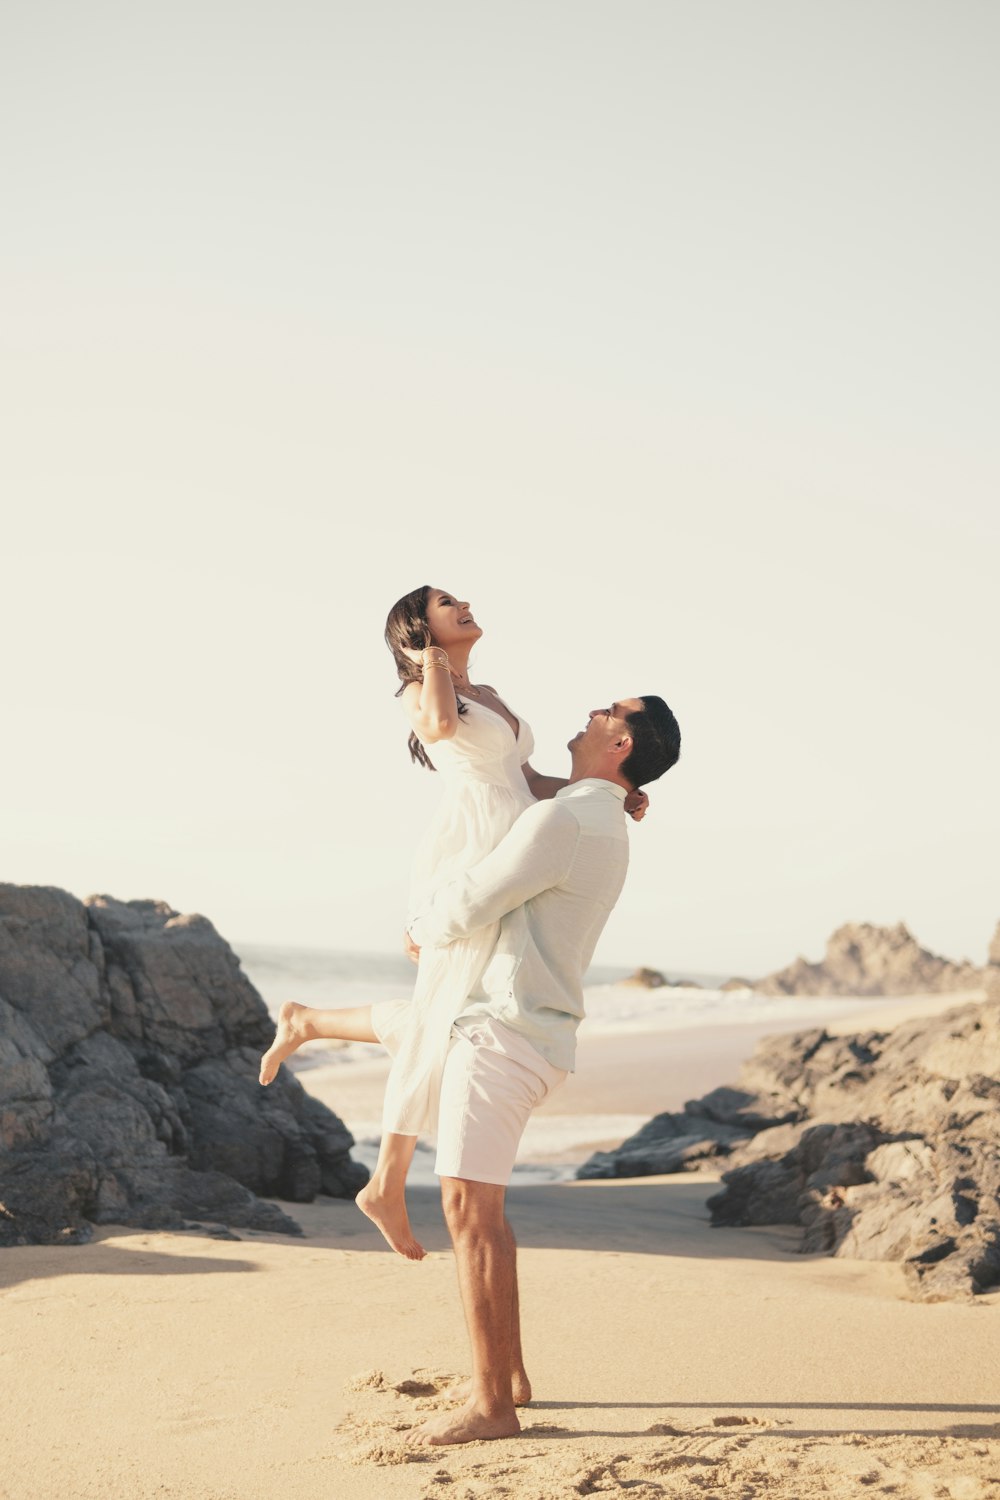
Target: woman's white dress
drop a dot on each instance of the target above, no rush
(484, 793)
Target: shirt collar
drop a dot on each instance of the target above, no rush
(593, 781)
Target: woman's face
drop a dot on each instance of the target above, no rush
(450, 619)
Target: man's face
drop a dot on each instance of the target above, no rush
(604, 731)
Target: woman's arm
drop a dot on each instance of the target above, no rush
(542, 787)
(431, 705)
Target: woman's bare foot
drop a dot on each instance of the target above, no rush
(467, 1425)
(289, 1036)
(519, 1383)
(390, 1217)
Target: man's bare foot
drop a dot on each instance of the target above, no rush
(390, 1217)
(289, 1036)
(467, 1425)
(519, 1383)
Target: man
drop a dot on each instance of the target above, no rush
(552, 883)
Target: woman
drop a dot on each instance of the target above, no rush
(481, 749)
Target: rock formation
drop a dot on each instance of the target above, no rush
(129, 1046)
(652, 979)
(647, 979)
(882, 1146)
(862, 959)
(991, 974)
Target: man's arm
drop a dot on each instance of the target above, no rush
(536, 854)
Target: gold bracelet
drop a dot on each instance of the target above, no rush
(428, 664)
(439, 661)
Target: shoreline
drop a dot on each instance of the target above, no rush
(623, 1077)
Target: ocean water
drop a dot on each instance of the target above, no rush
(321, 977)
(553, 1144)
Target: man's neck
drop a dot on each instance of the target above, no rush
(584, 774)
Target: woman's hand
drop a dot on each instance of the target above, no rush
(637, 805)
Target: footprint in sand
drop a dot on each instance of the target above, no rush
(371, 1380)
(741, 1422)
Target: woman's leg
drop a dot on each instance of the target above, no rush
(383, 1199)
(302, 1023)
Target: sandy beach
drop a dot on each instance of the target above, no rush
(668, 1358)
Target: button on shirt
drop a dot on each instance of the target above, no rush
(552, 884)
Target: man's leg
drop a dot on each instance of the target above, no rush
(485, 1259)
(492, 1081)
(519, 1383)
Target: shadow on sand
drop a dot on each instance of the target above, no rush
(22, 1263)
(666, 1217)
(748, 1410)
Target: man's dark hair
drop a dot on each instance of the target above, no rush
(656, 741)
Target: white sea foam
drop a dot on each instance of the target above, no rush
(315, 977)
(616, 1008)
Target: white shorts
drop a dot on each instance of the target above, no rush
(493, 1079)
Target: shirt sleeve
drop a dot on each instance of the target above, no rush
(536, 854)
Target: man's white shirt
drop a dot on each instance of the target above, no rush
(552, 884)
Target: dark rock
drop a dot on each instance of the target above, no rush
(46, 969)
(192, 999)
(771, 1192)
(47, 1198)
(881, 1146)
(767, 1192)
(667, 1143)
(746, 1112)
(129, 1045)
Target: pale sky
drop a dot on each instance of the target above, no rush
(664, 333)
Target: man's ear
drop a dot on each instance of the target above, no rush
(625, 746)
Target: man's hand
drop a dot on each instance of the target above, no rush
(410, 948)
(637, 805)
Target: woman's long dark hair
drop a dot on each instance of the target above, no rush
(407, 627)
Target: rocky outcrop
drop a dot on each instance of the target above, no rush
(862, 959)
(882, 1146)
(652, 979)
(991, 974)
(129, 1045)
(647, 979)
